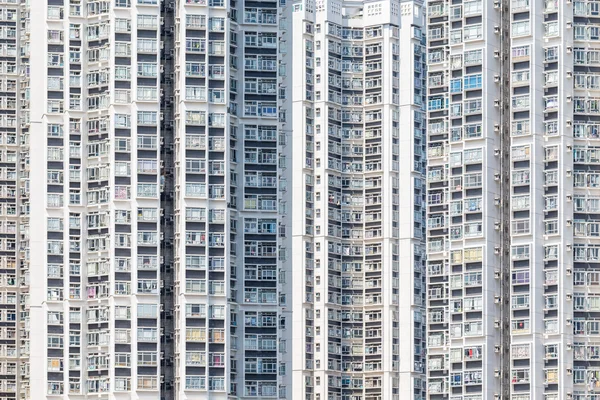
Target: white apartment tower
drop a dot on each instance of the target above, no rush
(210, 199)
(357, 207)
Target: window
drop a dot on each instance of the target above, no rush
(195, 117)
(122, 25)
(147, 190)
(520, 28)
(473, 57)
(195, 286)
(147, 69)
(55, 106)
(195, 93)
(195, 165)
(147, 310)
(520, 227)
(520, 252)
(123, 3)
(551, 54)
(147, 142)
(147, 118)
(473, 32)
(55, 36)
(122, 121)
(147, 93)
(147, 382)
(147, 358)
(216, 383)
(473, 7)
(195, 310)
(122, 72)
(122, 49)
(147, 21)
(195, 189)
(520, 301)
(55, 130)
(195, 382)
(147, 334)
(195, 214)
(147, 46)
(195, 45)
(551, 29)
(455, 86)
(195, 262)
(197, 69)
(473, 82)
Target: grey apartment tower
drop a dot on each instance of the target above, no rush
(513, 269)
(212, 199)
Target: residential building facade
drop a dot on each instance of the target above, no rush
(210, 199)
(357, 228)
(14, 207)
(512, 213)
(467, 200)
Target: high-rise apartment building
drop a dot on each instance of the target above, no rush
(468, 192)
(14, 224)
(212, 199)
(513, 200)
(357, 208)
